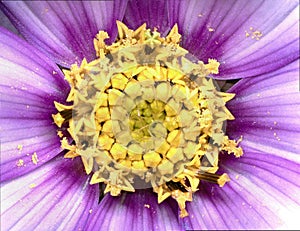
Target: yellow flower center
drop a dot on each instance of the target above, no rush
(144, 115)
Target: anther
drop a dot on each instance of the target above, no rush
(213, 178)
(66, 114)
(172, 185)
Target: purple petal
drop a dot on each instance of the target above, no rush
(264, 193)
(153, 13)
(267, 113)
(59, 197)
(217, 29)
(56, 196)
(64, 30)
(5, 22)
(29, 85)
(136, 211)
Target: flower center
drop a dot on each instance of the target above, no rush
(143, 115)
(147, 120)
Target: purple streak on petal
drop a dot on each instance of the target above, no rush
(240, 56)
(153, 13)
(29, 84)
(5, 22)
(65, 29)
(267, 113)
(130, 211)
(263, 193)
(60, 199)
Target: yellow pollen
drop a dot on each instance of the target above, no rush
(210, 29)
(20, 163)
(255, 34)
(20, 147)
(143, 115)
(33, 185)
(34, 158)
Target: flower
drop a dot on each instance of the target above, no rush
(42, 190)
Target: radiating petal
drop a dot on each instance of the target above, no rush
(65, 29)
(267, 113)
(135, 211)
(219, 29)
(29, 84)
(264, 193)
(56, 196)
(153, 13)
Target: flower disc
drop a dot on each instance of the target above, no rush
(145, 115)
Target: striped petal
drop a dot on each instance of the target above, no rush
(64, 30)
(249, 38)
(54, 197)
(153, 13)
(264, 193)
(58, 196)
(29, 85)
(267, 112)
(136, 211)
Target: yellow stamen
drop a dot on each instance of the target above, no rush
(212, 66)
(99, 43)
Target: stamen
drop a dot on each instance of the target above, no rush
(66, 114)
(99, 44)
(176, 186)
(213, 178)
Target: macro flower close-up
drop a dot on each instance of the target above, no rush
(150, 115)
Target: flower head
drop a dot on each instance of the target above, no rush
(143, 115)
(248, 39)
